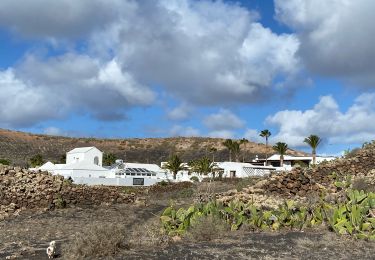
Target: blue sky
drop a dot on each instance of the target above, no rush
(124, 68)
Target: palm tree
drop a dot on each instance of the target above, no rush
(174, 165)
(313, 141)
(243, 141)
(213, 150)
(265, 134)
(281, 149)
(235, 149)
(203, 166)
(229, 145)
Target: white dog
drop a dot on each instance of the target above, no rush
(51, 250)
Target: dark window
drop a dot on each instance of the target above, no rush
(139, 181)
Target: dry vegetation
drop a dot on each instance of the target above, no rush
(19, 147)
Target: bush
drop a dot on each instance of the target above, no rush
(36, 160)
(194, 178)
(183, 194)
(163, 183)
(207, 228)
(365, 184)
(4, 162)
(97, 241)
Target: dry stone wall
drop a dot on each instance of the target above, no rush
(23, 189)
(300, 183)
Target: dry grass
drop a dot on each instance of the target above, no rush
(97, 241)
(149, 235)
(207, 228)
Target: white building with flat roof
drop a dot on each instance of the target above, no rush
(291, 161)
(84, 166)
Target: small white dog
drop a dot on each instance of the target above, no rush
(51, 250)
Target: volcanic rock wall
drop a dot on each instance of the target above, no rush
(24, 189)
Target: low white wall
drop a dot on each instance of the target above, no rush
(114, 181)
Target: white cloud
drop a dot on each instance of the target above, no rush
(39, 90)
(178, 130)
(222, 134)
(203, 53)
(60, 19)
(336, 36)
(51, 130)
(230, 59)
(22, 104)
(180, 112)
(253, 136)
(326, 120)
(223, 120)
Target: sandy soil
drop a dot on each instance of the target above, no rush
(28, 235)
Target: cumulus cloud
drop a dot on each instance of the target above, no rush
(59, 19)
(206, 52)
(48, 89)
(178, 130)
(253, 135)
(328, 121)
(336, 36)
(51, 130)
(180, 112)
(203, 53)
(223, 120)
(222, 134)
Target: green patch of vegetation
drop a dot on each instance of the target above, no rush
(108, 159)
(60, 202)
(36, 160)
(194, 178)
(4, 161)
(355, 216)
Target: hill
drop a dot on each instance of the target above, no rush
(19, 147)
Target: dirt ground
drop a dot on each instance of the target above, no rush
(28, 235)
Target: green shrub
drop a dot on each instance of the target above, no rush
(194, 178)
(4, 162)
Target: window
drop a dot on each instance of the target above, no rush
(96, 160)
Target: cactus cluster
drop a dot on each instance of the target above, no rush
(355, 216)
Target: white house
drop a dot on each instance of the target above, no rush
(228, 169)
(290, 161)
(84, 166)
(89, 155)
(242, 170)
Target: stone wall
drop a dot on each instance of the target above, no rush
(300, 183)
(24, 189)
(303, 181)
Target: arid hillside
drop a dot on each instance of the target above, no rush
(19, 147)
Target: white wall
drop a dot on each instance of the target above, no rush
(113, 181)
(88, 157)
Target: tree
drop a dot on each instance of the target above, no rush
(174, 165)
(313, 141)
(242, 142)
(36, 160)
(281, 149)
(266, 134)
(213, 150)
(229, 145)
(108, 159)
(236, 149)
(203, 166)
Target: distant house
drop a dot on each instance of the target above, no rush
(84, 166)
(292, 161)
(242, 170)
(89, 155)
